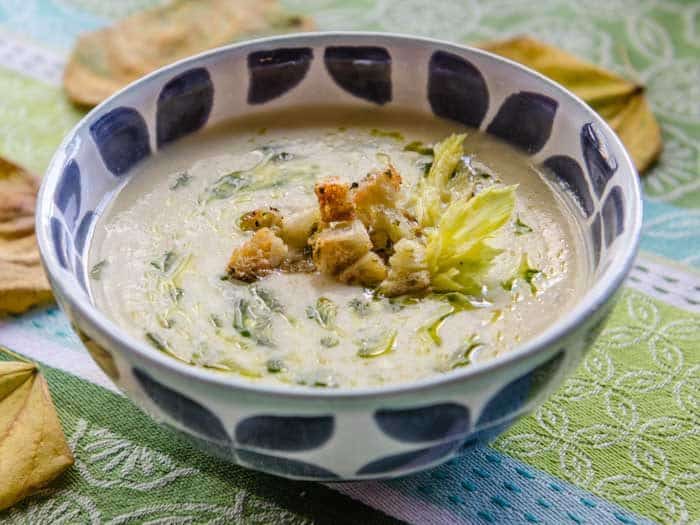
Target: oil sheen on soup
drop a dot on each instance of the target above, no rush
(421, 251)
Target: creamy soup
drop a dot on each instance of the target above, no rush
(160, 256)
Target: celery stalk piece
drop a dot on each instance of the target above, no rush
(457, 252)
(432, 190)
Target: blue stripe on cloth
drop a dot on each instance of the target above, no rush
(48, 323)
(672, 232)
(484, 486)
(52, 23)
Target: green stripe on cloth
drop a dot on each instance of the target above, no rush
(128, 469)
(626, 426)
(34, 118)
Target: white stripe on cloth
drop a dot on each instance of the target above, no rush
(27, 343)
(666, 282)
(30, 60)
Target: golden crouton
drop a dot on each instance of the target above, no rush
(368, 270)
(375, 204)
(334, 201)
(408, 270)
(340, 245)
(379, 188)
(298, 227)
(258, 256)
(260, 218)
(387, 226)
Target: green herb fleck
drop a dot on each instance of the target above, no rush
(264, 175)
(252, 323)
(157, 342)
(361, 306)
(324, 313)
(418, 147)
(376, 346)
(521, 228)
(463, 355)
(459, 300)
(216, 320)
(267, 298)
(275, 366)
(529, 277)
(424, 166)
(225, 186)
(182, 180)
(165, 263)
(432, 329)
(96, 270)
(524, 272)
(456, 302)
(384, 133)
(282, 156)
(176, 294)
(396, 304)
(330, 341)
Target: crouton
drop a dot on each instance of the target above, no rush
(375, 204)
(408, 270)
(379, 188)
(387, 226)
(368, 270)
(339, 245)
(334, 201)
(298, 227)
(260, 218)
(258, 256)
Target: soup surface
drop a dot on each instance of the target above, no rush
(160, 253)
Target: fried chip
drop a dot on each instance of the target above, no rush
(32, 444)
(105, 61)
(22, 280)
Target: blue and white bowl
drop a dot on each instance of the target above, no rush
(341, 434)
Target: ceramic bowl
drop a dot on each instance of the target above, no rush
(341, 434)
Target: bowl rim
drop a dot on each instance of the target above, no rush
(596, 296)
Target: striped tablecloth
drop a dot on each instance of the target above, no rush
(619, 443)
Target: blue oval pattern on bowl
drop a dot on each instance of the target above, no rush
(68, 193)
(59, 237)
(512, 397)
(600, 164)
(596, 234)
(284, 466)
(457, 89)
(570, 173)
(525, 120)
(363, 71)
(426, 423)
(121, 136)
(274, 72)
(291, 433)
(184, 105)
(613, 215)
(82, 231)
(184, 410)
(485, 436)
(410, 460)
